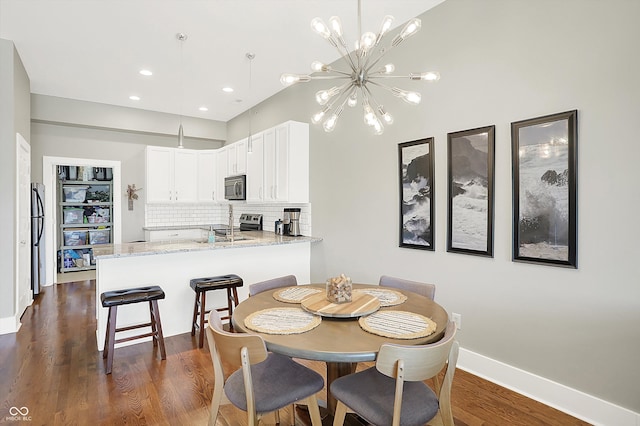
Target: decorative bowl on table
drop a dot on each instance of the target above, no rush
(339, 289)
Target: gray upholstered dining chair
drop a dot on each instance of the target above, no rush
(261, 382)
(393, 392)
(286, 281)
(427, 290)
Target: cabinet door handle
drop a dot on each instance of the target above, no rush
(176, 195)
(170, 197)
(213, 195)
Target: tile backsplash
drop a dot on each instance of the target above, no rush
(205, 214)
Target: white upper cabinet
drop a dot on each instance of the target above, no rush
(222, 164)
(237, 158)
(207, 179)
(185, 176)
(277, 169)
(159, 185)
(172, 175)
(255, 168)
(286, 164)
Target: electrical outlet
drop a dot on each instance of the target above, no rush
(457, 318)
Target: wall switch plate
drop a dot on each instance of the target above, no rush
(457, 318)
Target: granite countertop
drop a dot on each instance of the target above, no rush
(206, 227)
(243, 239)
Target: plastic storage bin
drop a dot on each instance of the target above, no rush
(77, 237)
(72, 216)
(75, 194)
(99, 236)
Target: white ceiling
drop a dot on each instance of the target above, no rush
(92, 50)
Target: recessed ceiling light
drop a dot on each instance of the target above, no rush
(146, 72)
(203, 108)
(227, 89)
(134, 98)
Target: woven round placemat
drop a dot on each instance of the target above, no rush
(294, 294)
(282, 321)
(387, 297)
(398, 324)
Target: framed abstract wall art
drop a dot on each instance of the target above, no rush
(544, 161)
(416, 194)
(470, 159)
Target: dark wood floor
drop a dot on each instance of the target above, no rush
(52, 367)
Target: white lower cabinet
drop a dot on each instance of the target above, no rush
(172, 235)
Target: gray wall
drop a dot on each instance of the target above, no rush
(501, 61)
(14, 118)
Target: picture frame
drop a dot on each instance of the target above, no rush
(471, 171)
(417, 212)
(545, 162)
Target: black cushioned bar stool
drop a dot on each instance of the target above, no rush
(113, 299)
(201, 286)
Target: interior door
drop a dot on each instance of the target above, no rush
(23, 285)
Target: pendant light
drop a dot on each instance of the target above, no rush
(363, 71)
(250, 56)
(182, 38)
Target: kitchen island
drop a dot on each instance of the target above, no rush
(253, 255)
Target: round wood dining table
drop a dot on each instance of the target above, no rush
(339, 342)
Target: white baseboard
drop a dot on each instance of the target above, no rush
(571, 401)
(9, 325)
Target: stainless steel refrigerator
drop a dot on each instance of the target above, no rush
(37, 238)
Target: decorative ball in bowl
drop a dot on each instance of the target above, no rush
(339, 289)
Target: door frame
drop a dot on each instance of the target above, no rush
(50, 178)
(23, 298)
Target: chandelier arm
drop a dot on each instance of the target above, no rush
(382, 54)
(330, 77)
(346, 56)
(342, 73)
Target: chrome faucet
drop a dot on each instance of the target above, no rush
(230, 230)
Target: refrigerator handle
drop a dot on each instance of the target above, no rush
(40, 218)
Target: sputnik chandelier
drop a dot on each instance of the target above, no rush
(363, 72)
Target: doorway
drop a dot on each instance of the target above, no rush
(49, 177)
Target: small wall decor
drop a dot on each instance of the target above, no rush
(131, 194)
(416, 194)
(544, 160)
(470, 159)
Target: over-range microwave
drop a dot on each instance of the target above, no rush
(234, 187)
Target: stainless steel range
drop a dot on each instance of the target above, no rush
(250, 222)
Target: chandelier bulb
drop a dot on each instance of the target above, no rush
(378, 128)
(388, 69)
(323, 96)
(289, 79)
(367, 41)
(388, 118)
(320, 28)
(317, 66)
(317, 117)
(336, 26)
(387, 22)
(426, 76)
(352, 101)
(412, 27)
(369, 116)
(412, 98)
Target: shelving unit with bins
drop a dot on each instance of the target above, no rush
(80, 231)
